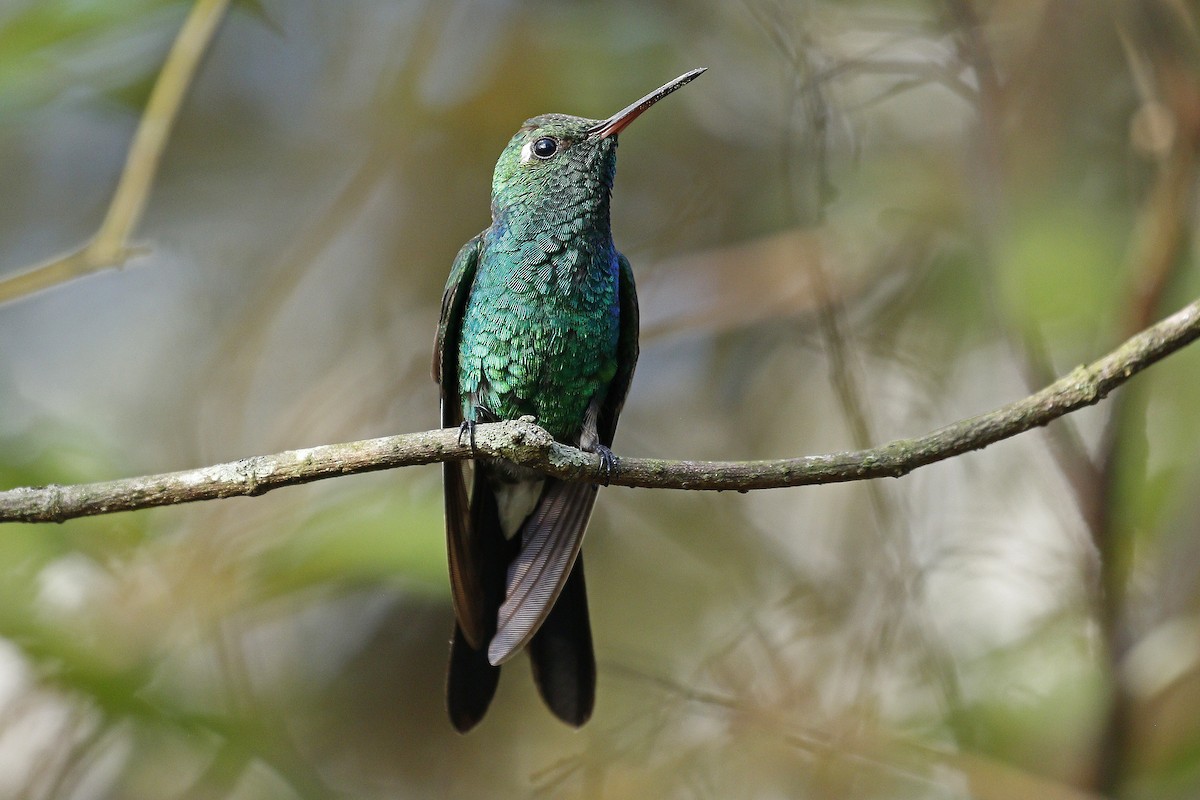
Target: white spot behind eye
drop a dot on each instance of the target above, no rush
(526, 152)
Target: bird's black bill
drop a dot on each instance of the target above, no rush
(617, 122)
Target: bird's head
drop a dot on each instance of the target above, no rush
(557, 162)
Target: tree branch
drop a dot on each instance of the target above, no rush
(525, 443)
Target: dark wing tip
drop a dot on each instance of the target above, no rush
(470, 683)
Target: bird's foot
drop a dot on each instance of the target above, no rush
(468, 428)
(468, 425)
(608, 463)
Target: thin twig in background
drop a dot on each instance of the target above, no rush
(110, 245)
(1169, 93)
(1065, 444)
(897, 577)
(525, 443)
(876, 749)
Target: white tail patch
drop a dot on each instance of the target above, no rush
(516, 501)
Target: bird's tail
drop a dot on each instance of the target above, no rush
(471, 679)
(564, 666)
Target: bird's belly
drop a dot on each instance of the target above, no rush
(520, 359)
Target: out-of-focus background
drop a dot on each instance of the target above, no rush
(866, 220)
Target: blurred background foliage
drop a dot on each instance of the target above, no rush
(868, 219)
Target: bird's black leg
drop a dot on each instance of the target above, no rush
(467, 427)
(608, 463)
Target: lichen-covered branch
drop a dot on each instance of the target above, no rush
(524, 442)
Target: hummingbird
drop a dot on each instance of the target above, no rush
(539, 318)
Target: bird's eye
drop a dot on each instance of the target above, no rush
(545, 147)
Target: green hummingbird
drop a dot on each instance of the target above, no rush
(539, 318)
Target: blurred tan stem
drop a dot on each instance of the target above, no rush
(110, 246)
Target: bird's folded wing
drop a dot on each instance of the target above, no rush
(551, 539)
(463, 542)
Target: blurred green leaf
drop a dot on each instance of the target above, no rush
(39, 42)
(1060, 269)
(364, 540)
